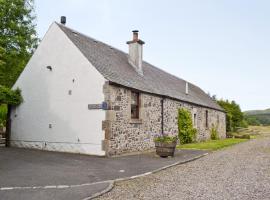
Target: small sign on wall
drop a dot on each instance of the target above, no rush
(103, 106)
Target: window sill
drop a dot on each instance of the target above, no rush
(135, 121)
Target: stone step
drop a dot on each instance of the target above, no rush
(2, 140)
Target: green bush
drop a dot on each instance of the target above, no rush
(214, 133)
(229, 134)
(166, 139)
(246, 136)
(8, 96)
(186, 132)
(3, 115)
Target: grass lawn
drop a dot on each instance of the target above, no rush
(253, 131)
(212, 144)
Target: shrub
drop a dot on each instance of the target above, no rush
(8, 96)
(229, 135)
(246, 136)
(166, 139)
(214, 133)
(3, 115)
(186, 132)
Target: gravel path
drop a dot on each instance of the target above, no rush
(239, 172)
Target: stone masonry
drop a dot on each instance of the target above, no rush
(126, 135)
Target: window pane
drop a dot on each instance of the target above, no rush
(134, 105)
(134, 98)
(195, 120)
(134, 112)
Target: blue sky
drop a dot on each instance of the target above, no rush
(221, 46)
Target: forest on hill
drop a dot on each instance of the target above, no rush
(257, 117)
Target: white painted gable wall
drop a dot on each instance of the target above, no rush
(47, 100)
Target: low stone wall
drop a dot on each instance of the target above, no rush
(125, 135)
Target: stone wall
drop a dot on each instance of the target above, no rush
(215, 119)
(125, 135)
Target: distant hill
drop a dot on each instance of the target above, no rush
(255, 112)
(256, 117)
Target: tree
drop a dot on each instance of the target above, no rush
(18, 38)
(234, 115)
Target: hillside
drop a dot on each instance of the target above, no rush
(256, 117)
(255, 112)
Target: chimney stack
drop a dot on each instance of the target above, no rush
(187, 89)
(136, 52)
(63, 20)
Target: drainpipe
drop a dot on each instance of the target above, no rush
(162, 116)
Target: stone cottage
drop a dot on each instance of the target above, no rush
(84, 96)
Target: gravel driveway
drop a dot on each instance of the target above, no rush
(238, 172)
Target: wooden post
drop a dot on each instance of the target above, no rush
(8, 126)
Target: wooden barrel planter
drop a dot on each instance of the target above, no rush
(165, 149)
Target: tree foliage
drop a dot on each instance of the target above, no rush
(234, 115)
(258, 119)
(3, 115)
(186, 132)
(18, 38)
(11, 97)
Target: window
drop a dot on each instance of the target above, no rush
(206, 118)
(134, 105)
(194, 120)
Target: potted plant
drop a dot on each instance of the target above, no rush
(165, 145)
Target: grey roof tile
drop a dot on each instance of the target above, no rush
(113, 65)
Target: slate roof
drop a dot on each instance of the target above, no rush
(113, 65)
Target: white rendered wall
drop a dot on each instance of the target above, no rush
(74, 128)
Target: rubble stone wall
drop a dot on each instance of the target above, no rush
(126, 135)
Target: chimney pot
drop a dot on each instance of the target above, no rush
(135, 35)
(63, 20)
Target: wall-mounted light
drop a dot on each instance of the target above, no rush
(49, 67)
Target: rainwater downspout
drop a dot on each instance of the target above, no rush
(162, 116)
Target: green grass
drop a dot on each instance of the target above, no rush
(212, 144)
